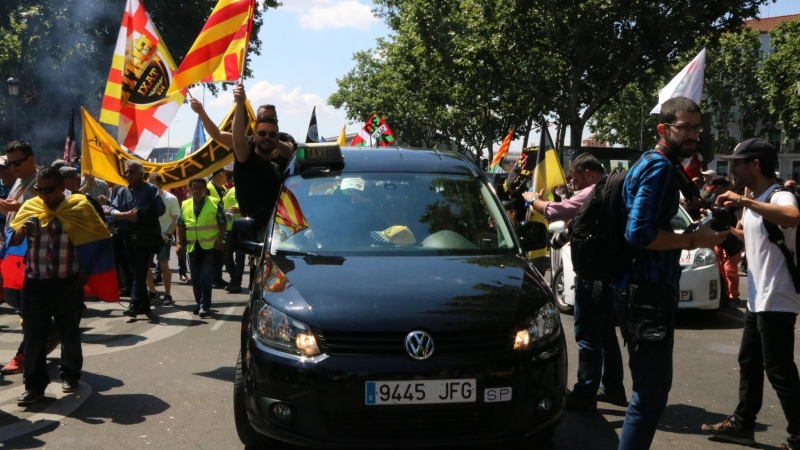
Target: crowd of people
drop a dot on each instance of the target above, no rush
(761, 216)
(53, 213)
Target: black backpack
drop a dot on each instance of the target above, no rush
(599, 249)
(775, 236)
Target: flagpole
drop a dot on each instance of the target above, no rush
(249, 33)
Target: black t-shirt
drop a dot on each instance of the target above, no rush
(258, 186)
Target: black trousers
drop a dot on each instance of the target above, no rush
(61, 299)
(768, 345)
(139, 263)
(121, 259)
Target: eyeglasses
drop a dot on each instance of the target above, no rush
(271, 134)
(18, 162)
(46, 190)
(685, 128)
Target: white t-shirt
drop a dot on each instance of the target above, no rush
(769, 285)
(173, 209)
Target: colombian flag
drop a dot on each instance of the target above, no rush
(88, 234)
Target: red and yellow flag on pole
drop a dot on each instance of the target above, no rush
(497, 166)
(136, 96)
(289, 212)
(219, 52)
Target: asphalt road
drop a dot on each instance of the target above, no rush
(167, 383)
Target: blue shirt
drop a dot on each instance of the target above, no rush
(144, 197)
(651, 196)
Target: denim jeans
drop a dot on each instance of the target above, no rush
(201, 264)
(60, 298)
(768, 344)
(235, 262)
(599, 356)
(651, 372)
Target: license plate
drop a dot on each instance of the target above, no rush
(420, 392)
(686, 296)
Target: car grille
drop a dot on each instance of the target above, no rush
(402, 423)
(389, 343)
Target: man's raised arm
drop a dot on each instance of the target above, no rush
(240, 147)
(212, 129)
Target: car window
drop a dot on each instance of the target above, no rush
(393, 212)
(680, 220)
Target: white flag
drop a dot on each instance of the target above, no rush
(688, 83)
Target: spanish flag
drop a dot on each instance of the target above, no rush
(219, 52)
(89, 236)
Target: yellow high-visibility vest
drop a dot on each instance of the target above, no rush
(212, 190)
(204, 229)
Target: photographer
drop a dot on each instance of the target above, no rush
(729, 253)
(773, 302)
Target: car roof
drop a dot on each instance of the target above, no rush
(402, 159)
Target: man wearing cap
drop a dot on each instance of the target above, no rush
(729, 253)
(705, 190)
(7, 179)
(600, 371)
(773, 302)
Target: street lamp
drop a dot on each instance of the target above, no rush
(13, 92)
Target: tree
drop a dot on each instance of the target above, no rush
(626, 119)
(568, 58)
(779, 77)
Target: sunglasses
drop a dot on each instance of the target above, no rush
(271, 134)
(45, 190)
(18, 162)
(265, 118)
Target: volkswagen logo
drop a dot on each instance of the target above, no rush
(419, 345)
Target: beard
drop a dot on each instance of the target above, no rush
(682, 148)
(265, 146)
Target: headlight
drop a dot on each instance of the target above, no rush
(704, 257)
(285, 333)
(543, 325)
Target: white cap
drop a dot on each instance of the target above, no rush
(709, 172)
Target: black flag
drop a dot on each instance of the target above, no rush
(313, 133)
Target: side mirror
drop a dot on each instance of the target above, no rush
(557, 227)
(243, 237)
(533, 236)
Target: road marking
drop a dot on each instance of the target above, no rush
(168, 325)
(64, 406)
(219, 323)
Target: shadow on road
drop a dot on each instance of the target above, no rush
(725, 319)
(124, 409)
(687, 419)
(222, 373)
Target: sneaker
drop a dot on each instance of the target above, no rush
(196, 310)
(183, 278)
(575, 403)
(69, 386)
(728, 431)
(203, 313)
(234, 288)
(29, 397)
(153, 297)
(220, 284)
(16, 365)
(130, 311)
(616, 399)
(168, 301)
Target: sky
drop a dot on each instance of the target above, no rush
(307, 45)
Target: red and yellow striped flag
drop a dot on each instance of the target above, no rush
(289, 213)
(218, 53)
(497, 166)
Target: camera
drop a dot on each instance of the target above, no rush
(721, 218)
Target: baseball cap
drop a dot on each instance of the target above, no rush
(709, 173)
(70, 172)
(755, 148)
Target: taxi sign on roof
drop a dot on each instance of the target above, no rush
(319, 153)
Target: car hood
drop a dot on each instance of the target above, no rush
(383, 293)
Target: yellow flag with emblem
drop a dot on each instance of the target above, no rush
(105, 159)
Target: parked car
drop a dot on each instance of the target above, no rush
(394, 306)
(700, 278)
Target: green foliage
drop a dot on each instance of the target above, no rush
(493, 63)
(779, 77)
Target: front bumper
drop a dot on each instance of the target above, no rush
(327, 398)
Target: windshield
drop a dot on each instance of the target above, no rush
(389, 212)
(681, 220)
